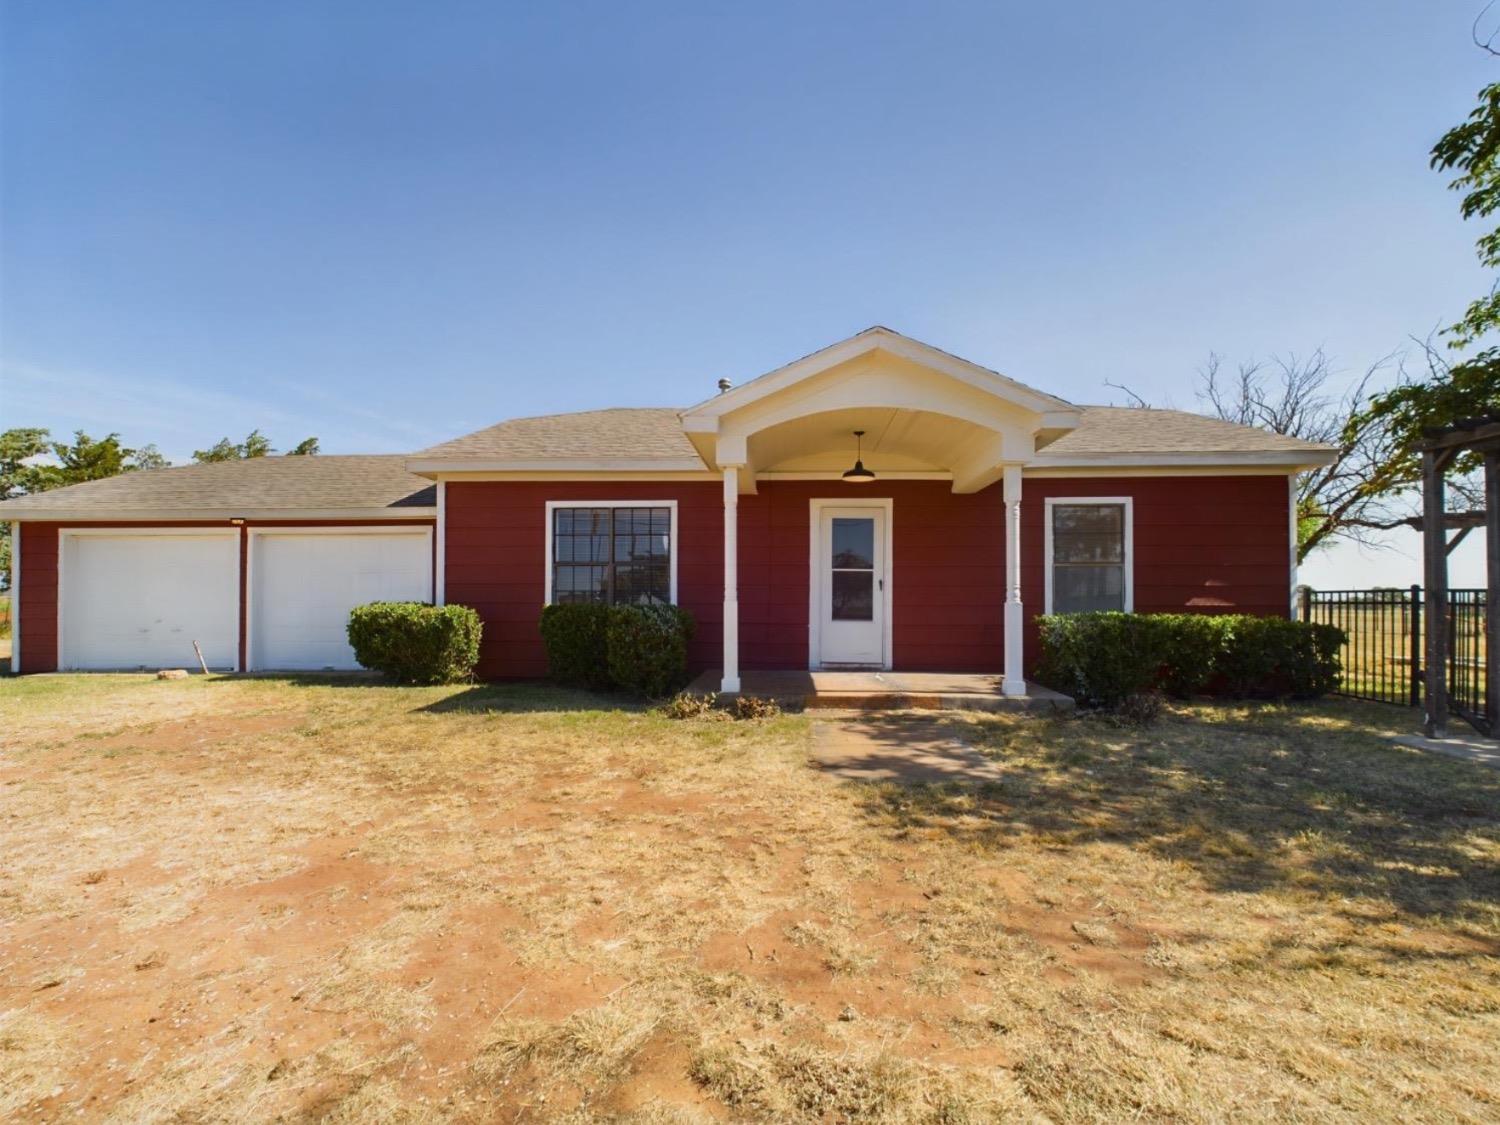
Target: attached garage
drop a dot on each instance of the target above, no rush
(139, 599)
(304, 581)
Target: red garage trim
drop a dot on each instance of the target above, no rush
(36, 607)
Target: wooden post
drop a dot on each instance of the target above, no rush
(1435, 564)
(1492, 590)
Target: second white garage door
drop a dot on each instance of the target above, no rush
(304, 583)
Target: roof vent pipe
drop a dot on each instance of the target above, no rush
(724, 385)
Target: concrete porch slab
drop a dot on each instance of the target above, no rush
(962, 691)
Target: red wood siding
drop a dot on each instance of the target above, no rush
(1203, 544)
(496, 561)
(39, 552)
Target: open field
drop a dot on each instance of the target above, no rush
(244, 899)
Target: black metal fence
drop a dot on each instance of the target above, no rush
(1382, 657)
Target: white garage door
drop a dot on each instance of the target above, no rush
(304, 583)
(134, 600)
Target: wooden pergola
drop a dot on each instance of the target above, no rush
(1439, 449)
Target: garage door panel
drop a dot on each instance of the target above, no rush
(140, 601)
(304, 586)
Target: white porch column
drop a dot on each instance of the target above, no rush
(731, 680)
(1015, 678)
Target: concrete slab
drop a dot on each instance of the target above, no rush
(907, 749)
(1471, 748)
(965, 691)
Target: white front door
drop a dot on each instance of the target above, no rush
(850, 587)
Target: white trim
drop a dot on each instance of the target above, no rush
(836, 474)
(872, 339)
(629, 476)
(440, 566)
(211, 515)
(1129, 562)
(1013, 683)
(256, 532)
(422, 466)
(814, 572)
(66, 533)
(1291, 540)
(1032, 471)
(729, 682)
(1285, 458)
(552, 505)
(15, 599)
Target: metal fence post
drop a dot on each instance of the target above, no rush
(1307, 603)
(1416, 646)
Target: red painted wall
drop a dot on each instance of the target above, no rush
(1204, 544)
(38, 600)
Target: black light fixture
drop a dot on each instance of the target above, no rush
(859, 474)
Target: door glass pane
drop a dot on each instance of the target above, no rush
(1082, 589)
(853, 595)
(853, 544)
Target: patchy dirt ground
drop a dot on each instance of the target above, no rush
(251, 899)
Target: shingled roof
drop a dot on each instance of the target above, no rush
(363, 484)
(1111, 430)
(624, 434)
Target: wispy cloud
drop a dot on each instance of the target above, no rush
(180, 417)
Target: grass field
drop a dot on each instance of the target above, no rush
(243, 899)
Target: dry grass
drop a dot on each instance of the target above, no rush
(251, 899)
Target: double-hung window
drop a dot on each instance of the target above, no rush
(1089, 548)
(614, 554)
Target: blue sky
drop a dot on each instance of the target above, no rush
(386, 224)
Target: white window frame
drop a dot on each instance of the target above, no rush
(553, 505)
(1129, 560)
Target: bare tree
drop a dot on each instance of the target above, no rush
(1370, 485)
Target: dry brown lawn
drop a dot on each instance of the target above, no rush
(261, 899)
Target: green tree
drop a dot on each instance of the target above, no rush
(254, 445)
(304, 448)
(16, 448)
(84, 459)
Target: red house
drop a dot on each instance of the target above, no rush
(877, 504)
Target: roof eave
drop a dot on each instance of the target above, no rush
(1292, 460)
(207, 515)
(433, 466)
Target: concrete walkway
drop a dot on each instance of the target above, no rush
(1471, 748)
(904, 748)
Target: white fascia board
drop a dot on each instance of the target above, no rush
(1286, 460)
(173, 515)
(459, 466)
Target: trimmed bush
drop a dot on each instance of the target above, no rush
(646, 647)
(416, 643)
(575, 638)
(1104, 659)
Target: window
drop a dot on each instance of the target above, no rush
(611, 554)
(1089, 555)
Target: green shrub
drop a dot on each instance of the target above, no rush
(1105, 659)
(1101, 659)
(574, 636)
(646, 647)
(1271, 657)
(416, 643)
